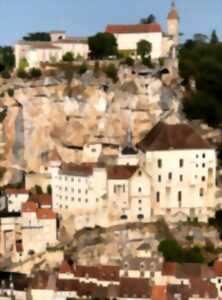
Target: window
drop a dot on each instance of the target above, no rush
(181, 163)
(204, 155)
(86, 200)
(158, 197)
(180, 199)
(139, 173)
(203, 178)
(159, 178)
(201, 192)
(203, 165)
(181, 177)
(140, 201)
(79, 199)
(139, 189)
(159, 163)
(170, 175)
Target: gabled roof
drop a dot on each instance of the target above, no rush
(134, 28)
(172, 137)
(119, 172)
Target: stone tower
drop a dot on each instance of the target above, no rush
(173, 22)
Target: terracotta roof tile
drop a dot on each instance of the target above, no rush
(42, 200)
(169, 269)
(218, 268)
(134, 288)
(78, 170)
(65, 268)
(121, 172)
(45, 214)
(134, 28)
(29, 207)
(159, 292)
(16, 191)
(168, 137)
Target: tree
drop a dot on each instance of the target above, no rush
(68, 57)
(23, 64)
(7, 61)
(144, 49)
(171, 250)
(102, 45)
(214, 38)
(82, 68)
(150, 19)
(38, 189)
(35, 73)
(38, 36)
(49, 189)
(112, 72)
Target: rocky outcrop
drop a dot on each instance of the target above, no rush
(44, 115)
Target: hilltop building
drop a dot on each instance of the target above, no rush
(39, 52)
(163, 44)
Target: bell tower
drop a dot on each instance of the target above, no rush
(173, 23)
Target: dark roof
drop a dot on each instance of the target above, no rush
(134, 28)
(134, 288)
(121, 172)
(78, 170)
(172, 137)
(128, 150)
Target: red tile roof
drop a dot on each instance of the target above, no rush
(173, 14)
(102, 273)
(134, 28)
(29, 207)
(218, 268)
(169, 269)
(121, 172)
(65, 267)
(134, 288)
(168, 137)
(78, 170)
(42, 200)
(159, 292)
(45, 214)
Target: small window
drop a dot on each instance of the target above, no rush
(170, 175)
(203, 165)
(181, 177)
(201, 192)
(139, 189)
(139, 173)
(159, 163)
(159, 178)
(203, 178)
(140, 201)
(181, 163)
(204, 155)
(179, 196)
(86, 200)
(158, 197)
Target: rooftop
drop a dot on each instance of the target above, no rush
(134, 28)
(172, 137)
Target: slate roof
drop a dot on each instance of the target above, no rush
(172, 137)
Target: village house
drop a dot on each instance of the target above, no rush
(15, 199)
(39, 52)
(39, 228)
(163, 44)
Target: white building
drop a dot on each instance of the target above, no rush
(182, 168)
(39, 52)
(15, 199)
(38, 228)
(162, 43)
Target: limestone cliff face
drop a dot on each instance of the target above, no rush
(43, 116)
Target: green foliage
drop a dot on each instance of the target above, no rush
(49, 190)
(22, 74)
(23, 64)
(112, 72)
(147, 62)
(150, 19)
(214, 38)
(38, 36)
(7, 61)
(11, 92)
(217, 222)
(102, 45)
(173, 252)
(82, 68)
(35, 73)
(202, 61)
(38, 189)
(68, 57)
(3, 114)
(129, 61)
(144, 49)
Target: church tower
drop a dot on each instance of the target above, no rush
(173, 22)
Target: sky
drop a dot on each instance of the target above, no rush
(86, 17)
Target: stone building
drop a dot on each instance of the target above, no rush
(163, 44)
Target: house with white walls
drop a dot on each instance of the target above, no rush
(15, 199)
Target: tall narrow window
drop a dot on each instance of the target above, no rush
(158, 197)
(181, 163)
(201, 192)
(159, 178)
(170, 176)
(181, 177)
(180, 199)
(159, 163)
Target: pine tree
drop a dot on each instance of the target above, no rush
(214, 38)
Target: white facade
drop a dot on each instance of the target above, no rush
(183, 181)
(15, 199)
